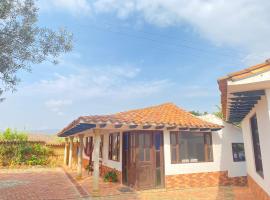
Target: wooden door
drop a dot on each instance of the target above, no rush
(145, 161)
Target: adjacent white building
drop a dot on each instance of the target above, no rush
(245, 97)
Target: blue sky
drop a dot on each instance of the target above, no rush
(131, 54)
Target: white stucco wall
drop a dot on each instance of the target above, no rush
(222, 153)
(262, 112)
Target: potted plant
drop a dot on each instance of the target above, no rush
(89, 168)
(110, 176)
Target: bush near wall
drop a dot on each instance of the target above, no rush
(16, 150)
(24, 153)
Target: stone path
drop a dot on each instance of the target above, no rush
(36, 184)
(57, 184)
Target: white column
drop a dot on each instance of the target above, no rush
(66, 151)
(79, 166)
(70, 151)
(167, 151)
(96, 160)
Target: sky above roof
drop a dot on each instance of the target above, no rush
(136, 53)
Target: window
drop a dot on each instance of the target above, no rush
(101, 146)
(88, 149)
(191, 147)
(145, 144)
(114, 146)
(256, 145)
(238, 151)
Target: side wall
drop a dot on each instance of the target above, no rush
(263, 112)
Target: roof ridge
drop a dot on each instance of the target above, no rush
(148, 107)
(244, 71)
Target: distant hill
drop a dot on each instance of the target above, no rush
(44, 131)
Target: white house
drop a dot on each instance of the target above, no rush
(245, 97)
(158, 147)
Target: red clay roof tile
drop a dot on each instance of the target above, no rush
(164, 114)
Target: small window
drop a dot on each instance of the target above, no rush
(238, 151)
(114, 146)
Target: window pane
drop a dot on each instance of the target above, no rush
(126, 141)
(114, 140)
(157, 159)
(101, 146)
(256, 146)
(173, 154)
(141, 154)
(147, 154)
(183, 147)
(173, 138)
(141, 140)
(196, 147)
(147, 142)
(238, 152)
(157, 141)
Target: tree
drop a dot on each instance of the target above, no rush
(218, 113)
(198, 113)
(13, 135)
(23, 42)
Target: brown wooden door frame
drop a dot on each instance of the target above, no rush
(131, 170)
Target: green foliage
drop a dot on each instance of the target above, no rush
(110, 176)
(198, 113)
(219, 113)
(24, 43)
(13, 135)
(24, 153)
(89, 168)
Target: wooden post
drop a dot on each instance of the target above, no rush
(70, 151)
(79, 166)
(96, 161)
(66, 151)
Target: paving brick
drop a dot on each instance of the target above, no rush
(37, 185)
(111, 191)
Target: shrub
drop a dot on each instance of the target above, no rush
(13, 135)
(18, 151)
(110, 176)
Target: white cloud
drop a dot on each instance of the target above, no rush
(57, 105)
(76, 7)
(243, 23)
(94, 84)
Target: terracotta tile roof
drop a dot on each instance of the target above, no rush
(164, 114)
(245, 73)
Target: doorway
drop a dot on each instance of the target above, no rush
(143, 159)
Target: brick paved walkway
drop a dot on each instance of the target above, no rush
(111, 191)
(56, 184)
(36, 184)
